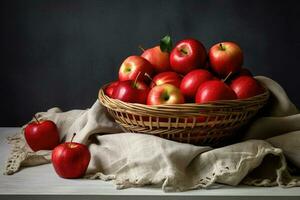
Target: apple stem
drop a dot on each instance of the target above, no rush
(222, 47)
(148, 76)
(228, 75)
(73, 137)
(141, 48)
(136, 78)
(183, 51)
(36, 119)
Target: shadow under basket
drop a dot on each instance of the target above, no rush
(200, 124)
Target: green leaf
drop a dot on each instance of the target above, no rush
(166, 44)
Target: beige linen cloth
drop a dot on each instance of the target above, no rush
(134, 160)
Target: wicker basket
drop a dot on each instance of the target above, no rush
(200, 124)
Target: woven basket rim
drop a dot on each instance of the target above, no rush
(213, 104)
(205, 124)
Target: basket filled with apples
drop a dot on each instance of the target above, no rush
(184, 94)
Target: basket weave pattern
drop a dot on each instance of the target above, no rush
(201, 124)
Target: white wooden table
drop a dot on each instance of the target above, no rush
(42, 182)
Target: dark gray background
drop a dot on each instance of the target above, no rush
(58, 53)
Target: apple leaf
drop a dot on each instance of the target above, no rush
(166, 44)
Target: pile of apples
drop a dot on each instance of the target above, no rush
(184, 74)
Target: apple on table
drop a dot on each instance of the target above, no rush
(71, 159)
(41, 135)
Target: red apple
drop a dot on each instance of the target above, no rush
(192, 81)
(41, 135)
(110, 88)
(166, 77)
(246, 87)
(188, 55)
(71, 159)
(131, 91)
(132, 66)
(160, 60)
(226, 57)
(214, 90)
(165, 94)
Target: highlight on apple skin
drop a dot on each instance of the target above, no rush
(246, 87)
(160, 60)
(132, 66)
(166, 77)
(109, 90)
(214, 90)
(41, 135)
(225, 58)
(131, 91)
(165, 94)
(71, 159)
(187, 55)
(192, 81)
